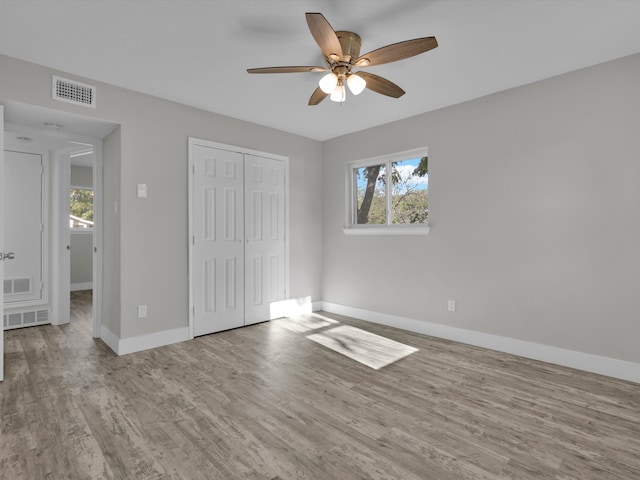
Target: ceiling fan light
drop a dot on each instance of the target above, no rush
(328, 83)
(339, 94)
(356, 84)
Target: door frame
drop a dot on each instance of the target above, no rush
(2, 239)
(60, 301)
(60, 288)
(60, 309)
(193, 141)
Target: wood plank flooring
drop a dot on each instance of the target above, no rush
(264, 402)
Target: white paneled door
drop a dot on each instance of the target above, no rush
(24, 227)
(218, 243)
(264, 232)
(238, 243)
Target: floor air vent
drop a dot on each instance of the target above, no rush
(16, 285)
(74, 92)
(27, 318)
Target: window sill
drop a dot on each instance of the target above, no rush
(81, 231)
(387, 230)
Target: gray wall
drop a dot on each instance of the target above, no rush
(148, 237)
(534, 204)
(81, 176)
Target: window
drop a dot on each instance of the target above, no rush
(80, 208)
(389, 194)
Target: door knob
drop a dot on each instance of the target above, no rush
(7, 256)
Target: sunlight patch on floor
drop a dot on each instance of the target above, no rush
(367, 348)
(305, 323)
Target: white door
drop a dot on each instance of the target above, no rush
(24, 227)
(264, 231)
(1, 237)
(238, 246)
(60, 247)
(218, 240)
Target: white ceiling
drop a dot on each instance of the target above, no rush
(197, 52)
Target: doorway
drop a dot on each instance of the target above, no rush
(68, 139)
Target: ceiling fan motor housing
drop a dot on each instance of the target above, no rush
(350, 43)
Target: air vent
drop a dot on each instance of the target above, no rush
(14, 286)
(74, 92)
(27, 318)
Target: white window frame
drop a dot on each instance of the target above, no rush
(352, 228)
(88, 229)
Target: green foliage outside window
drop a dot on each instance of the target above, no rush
(409, 202)
(81, 208)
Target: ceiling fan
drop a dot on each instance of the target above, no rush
(341, 51)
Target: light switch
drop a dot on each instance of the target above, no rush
(451, 305)
(142, 190)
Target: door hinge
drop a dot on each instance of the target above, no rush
(194, 240)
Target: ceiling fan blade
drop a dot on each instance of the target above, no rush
(324, 35)
(382, 85)
(317, 96)
(286, 69)
(397, 51)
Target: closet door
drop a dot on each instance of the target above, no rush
(218, 243)
(265, 242)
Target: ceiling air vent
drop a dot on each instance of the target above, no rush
(74, 92)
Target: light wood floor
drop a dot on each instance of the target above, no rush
(264, 402)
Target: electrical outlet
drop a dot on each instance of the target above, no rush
(451, 305)
(142, 311)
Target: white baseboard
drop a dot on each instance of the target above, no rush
(143, 342)
(109, 338)
(611, 367)
(81, 286)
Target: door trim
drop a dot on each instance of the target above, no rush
(1, 238)
(98, 257)
(192, 141)
(60, 302)
(61, 234)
